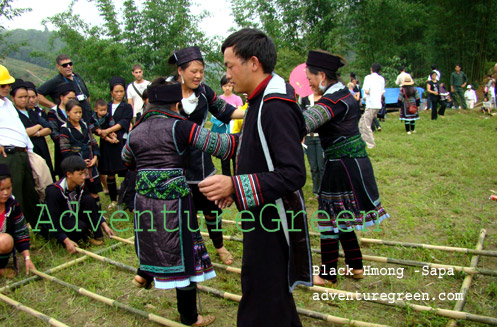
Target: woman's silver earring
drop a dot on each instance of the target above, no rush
(182, 80)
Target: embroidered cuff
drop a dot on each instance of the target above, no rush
(247, 191)
(315, 117)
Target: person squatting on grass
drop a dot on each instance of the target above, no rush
(348, 187)
(70, 213)
(13, 228)
(171, 250)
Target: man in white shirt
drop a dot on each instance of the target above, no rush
(374, 87)
(401, 76)
(14, 147)
(470, 96)
(135, 91)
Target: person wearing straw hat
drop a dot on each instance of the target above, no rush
(14, 147)
(198, 100)
(13, 229)
(348, 196)
(408, 95)
(170, 250)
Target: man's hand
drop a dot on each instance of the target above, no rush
(224, 203)
(2, 151)
(29, 266)
(217, 187)
(107, 230)
(70, 245)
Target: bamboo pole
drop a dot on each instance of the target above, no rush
(110, 302)
(412, 245)
(129, 240)
(230, 296)
(459, 306)
(107, 260)
(468, 270)
(430, 247)
(305, 312)
(456, 313)
(33, 312)
(57, 268)
(442, 312)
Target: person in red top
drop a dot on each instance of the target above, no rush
(13, 228)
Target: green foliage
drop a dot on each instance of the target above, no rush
(32, 46)
(8, 13)
(147, 35)
(410, 33)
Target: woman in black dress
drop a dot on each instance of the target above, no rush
(198, 100)
(56, 118)
(36, 116)
(110, 162)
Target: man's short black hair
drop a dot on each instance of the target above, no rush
(376, 67)
(61, 58)
(433, 66)
(71, 164)
(248, 43)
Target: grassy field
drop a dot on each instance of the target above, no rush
(435, 184)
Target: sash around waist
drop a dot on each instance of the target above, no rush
(162, 184)
(352, 147)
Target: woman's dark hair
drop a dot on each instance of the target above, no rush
(63, 94)
(71, 164)
(250, 42)
(330, 76)
(158, 82)
(71, 104)
(224, 80)
(409, 90)
(13, 92)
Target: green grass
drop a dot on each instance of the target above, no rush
(435, 186)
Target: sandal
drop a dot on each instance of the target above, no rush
(225, 256)
(326, 283)
(206, 320)
(9, 273)
(147, 284)
(356, 274)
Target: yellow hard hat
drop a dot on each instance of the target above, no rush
(5, 77)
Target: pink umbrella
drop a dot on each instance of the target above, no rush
(298, 79)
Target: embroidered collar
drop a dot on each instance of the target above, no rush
(334, 88)
(166, 113)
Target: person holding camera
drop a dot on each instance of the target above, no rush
(66, 76)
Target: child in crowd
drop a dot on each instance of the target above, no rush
(487, 106)
(101, 120)
(13, 228)
(491, 90)
(73, 212)
(218, 126)
(76, 139)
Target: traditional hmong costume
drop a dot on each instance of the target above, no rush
(81, 142)
(348, 195)
(173, 253)
(196, 108)
(56, 118)
(270, 172)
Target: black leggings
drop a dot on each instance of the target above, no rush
(410, 125)
(187, 304)
(329, 253)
